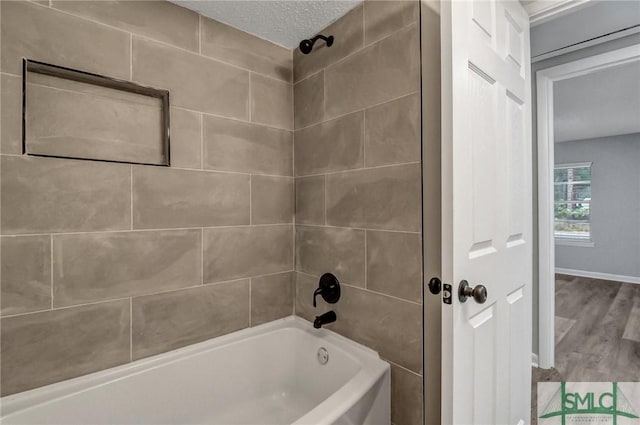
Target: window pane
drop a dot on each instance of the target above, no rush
(580, 174)
(572, 208)
(572, 220)
(569, 174)
(580, 192)
(560, 175)
(560, 192)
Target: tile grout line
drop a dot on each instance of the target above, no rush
(202, 256)
(250, 97)
(351, 285)
(324, 100)
(130, 329)
(201, 141)
(131, 194)
(355, 111)
(366, 280)
(206, 170)
(244, 121)
(375, 167)
(413, 372)
(131, 56)
(250, 287)
(326, 195)
(225, 117)
(250, 201)
(199, 34)
(364, 139)
(366, 46)
(363, 229)
(238, 226)
(361, 48)
(123, 298)
(164, 229)
(154, 40)
(51, 266)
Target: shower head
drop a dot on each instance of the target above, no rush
(307, 45)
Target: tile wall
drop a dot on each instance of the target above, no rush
(357, 167)
(105, 263)
(121, 261)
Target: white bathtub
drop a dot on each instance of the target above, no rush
(269, 374)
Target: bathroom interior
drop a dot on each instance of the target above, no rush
(173, 187)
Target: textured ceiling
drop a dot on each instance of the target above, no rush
(600, 104)
(284, 22)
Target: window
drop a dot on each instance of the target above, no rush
(572, 202)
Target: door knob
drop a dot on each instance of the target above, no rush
(479, 293)
(435, 285)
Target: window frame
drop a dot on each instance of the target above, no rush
(572, 240)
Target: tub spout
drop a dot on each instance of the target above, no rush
(323, 319)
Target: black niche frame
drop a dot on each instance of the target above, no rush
(30, 65)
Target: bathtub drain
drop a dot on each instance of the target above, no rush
(323, 355)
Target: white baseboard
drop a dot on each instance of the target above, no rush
(534, 360)
(596, 275)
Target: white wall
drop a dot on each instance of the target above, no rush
(615, 205)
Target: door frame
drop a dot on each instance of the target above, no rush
(545, 80)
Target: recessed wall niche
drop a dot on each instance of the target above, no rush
(69, 113)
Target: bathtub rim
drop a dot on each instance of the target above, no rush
(372, 368)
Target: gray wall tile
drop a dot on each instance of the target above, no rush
(322, 250)
(271, 102)
(271, 200)
(384, 77)
(308, 100)
(390, 326)
(309, 198)
(11, 129)
(226, 91)
(231, 45)
(237, 252)
(406, 397)
(394, 264)
(382, 18)
(238, 146)
(26, 274)
(160, 20)
(271, 297)
(42, 195)
(166, 198)
(51, 346)
(349, 37)
(304, 286)
(186, 139)
(383, 71)
(39, 33)
(334, 145)
(71, 119)
(99, 266)
(377, 198)
(77, 197)
(392, 132)
(170, 320)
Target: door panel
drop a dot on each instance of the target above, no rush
(487, 212)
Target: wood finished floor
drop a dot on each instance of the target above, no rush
(597, 333)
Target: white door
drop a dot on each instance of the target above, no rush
(487, 212)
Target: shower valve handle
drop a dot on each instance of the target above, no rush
(328, 288)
